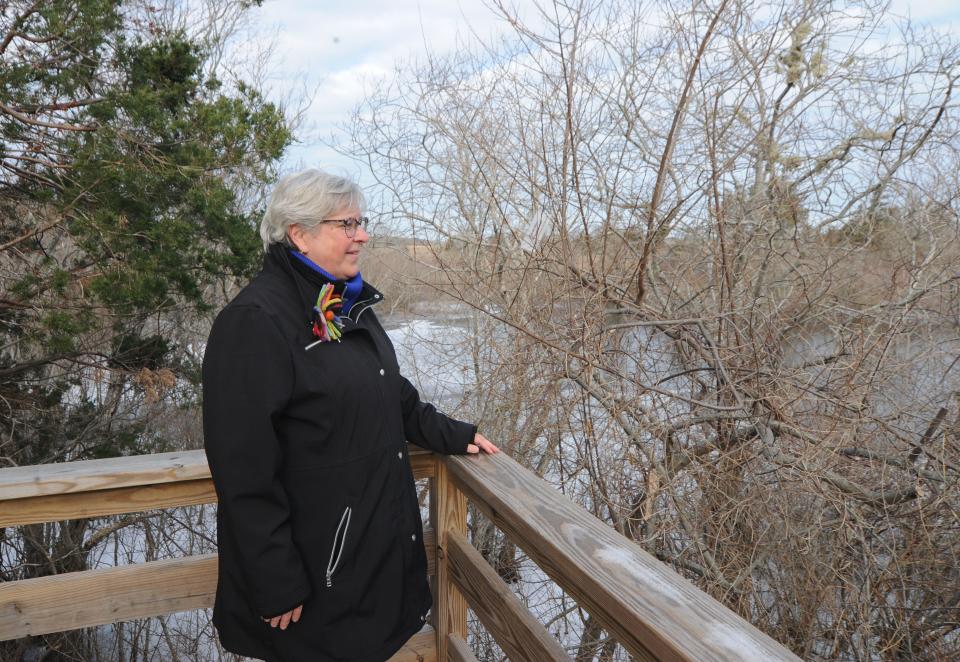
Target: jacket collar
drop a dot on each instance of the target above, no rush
(308, 282)
(348, 289)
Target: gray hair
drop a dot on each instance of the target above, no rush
(306, 198)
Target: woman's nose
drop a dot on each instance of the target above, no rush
(361, 237)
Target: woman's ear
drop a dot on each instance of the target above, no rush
(295, 233)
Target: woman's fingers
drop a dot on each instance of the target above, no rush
(490, 448)
(485, 444)
(283, 620)
(482, 443)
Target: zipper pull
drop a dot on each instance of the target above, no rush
(329, 579)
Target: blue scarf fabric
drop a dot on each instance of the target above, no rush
(352, 286)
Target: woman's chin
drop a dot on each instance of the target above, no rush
(351, 270)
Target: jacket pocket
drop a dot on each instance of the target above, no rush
(339, 542)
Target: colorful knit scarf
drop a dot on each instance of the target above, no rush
(325, 322)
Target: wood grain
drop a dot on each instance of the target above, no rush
(93, 475)
(651, 610)
(448, 512)
(96, 597)
(517, 632)
(422, 461)
(57, 601)
(430, 546)
(93, 488)
(458, 651)
(422, 647)
(96, 503)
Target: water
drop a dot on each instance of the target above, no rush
(439, 355)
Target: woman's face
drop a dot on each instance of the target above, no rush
(328, 246)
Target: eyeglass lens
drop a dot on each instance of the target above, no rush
(350, 225)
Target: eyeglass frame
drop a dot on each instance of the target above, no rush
(347, 223)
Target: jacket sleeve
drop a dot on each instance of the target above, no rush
(427, 427)
(247, 380)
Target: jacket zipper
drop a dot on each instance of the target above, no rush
(337, 550)
(375, 301)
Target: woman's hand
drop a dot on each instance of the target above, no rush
(481, 443)
(283, 620)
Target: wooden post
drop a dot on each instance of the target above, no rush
(448, 512)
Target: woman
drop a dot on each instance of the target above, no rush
(306, 418)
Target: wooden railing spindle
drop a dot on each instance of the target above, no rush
(448, 513)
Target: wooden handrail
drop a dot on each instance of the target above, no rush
(93, 488)
(110, 473)
(54, 492)
(651, 610)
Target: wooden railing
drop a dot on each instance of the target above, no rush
(652, 611)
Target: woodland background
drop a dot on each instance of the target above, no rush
(699, 260)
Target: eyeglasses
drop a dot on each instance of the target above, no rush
(349, 225)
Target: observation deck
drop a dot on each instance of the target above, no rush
(653, 612)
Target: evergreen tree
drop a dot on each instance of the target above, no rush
(123, 166)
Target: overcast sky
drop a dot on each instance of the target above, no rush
(334, 50)
(331, 50)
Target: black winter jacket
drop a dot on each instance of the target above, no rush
(317, 503)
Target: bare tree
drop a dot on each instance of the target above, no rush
(712, 253)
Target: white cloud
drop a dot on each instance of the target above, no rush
(332, 54)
